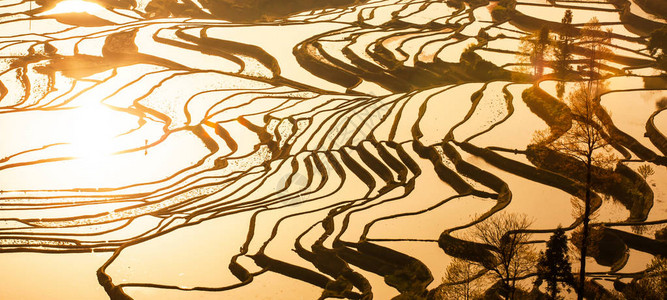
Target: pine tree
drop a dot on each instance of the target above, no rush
(554, 264)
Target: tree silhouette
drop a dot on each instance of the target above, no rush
(563, 52)
(513, 257)
(554, 264)
(538, 48)
(652, 284)
(645, 171)
(587, 137)
(458, 282)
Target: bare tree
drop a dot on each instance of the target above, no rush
(462, 281)
(514, 257)
(587, 140)
(645, 171)
(588, 136)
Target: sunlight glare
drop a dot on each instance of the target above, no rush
(74, 6)
(93, 132)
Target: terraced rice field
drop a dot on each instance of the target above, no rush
(187, 150)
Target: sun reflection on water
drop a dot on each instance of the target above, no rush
(94, 132)
(74, 6)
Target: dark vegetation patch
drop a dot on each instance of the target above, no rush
(554, 112)
(622, 183)
(655, 83)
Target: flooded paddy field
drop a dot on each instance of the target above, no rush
(203, 149)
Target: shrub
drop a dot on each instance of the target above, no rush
(662, 103)
(500, 13)
(458, 4)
